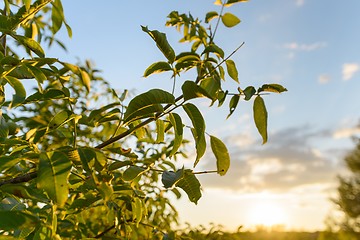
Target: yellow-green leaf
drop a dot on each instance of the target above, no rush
(20, 93)
(260, 117)
(157, 67)
(232, 70)
(222, 155)
(191, 185)
(230, 20)
(176, 122)
(54, 169)
(85, 78)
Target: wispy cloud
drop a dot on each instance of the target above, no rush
(323, 78)
(287, 162)
(305, 47)
(349, 70)
(346, 132)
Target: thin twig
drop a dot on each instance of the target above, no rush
(20, 179)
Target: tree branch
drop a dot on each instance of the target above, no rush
(20, 179)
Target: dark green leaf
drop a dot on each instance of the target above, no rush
(20, 93)
(230, 20)
(249, 92)
(260, 117)
(157, 67)
(277, 88)
(191, 185)
(210, 16)
(211, 85)
(162, 43)
(222, 155)
(232, 71)
(54, 169)
(199, 129)
(191, 90)
(59, 119)
(169, 178)
(12, 220)
(147, 103)
(132, 172)
(214, 49)
(176, 122)
(233, 104)
(37, 73)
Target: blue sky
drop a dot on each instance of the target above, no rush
(309, 46)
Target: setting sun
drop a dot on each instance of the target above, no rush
(268, 214)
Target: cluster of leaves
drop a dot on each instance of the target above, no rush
(349, 193)
(79, 163)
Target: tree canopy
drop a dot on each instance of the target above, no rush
(76, 160)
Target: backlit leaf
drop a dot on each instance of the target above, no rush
(147, 103)
(59, 119)
(211, 15)
(232, 71)
(132, 172)
(30, 44)
(222, 155)
(162, 43)
(85, 78)
(230, 20)
(231, 2)
(54, 169)
(20, 93)
(160, 130)
(157, 67)
(199, 129)
(277, 88)
(57, 16)
(211, 85)
(176, 122)
(260, 117)
(214, 49)
(191, 185)
(37, 73)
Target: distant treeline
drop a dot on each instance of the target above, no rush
(218, 235)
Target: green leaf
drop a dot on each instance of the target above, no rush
(260, 117)
(57, 16)
(137, 207)
(160, 130)
(233, 104)
(68, 29)
(20, 93)
(230, 20)
(161, 43)
(30, 44)
(249, 92)
(176, 122)
(85, 78)
(211, 15)
(199, 129)
(157, 67)
(169, 178)
(59, 119)
(27, 4)
(232, 71)
(54, 169)
(12, 220)
(211, 85)
(212, 48)
(147, 104)
(191, 90)
(277, 88)
(132, 172)
(92, 159)
(37, 73)
(222, 155)
(191, 185)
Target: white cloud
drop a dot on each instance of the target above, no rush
(305, 47)
(346, 132)
(299, 3)
(324, 78)
(349, 69)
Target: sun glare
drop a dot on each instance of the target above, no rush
(268, 214)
